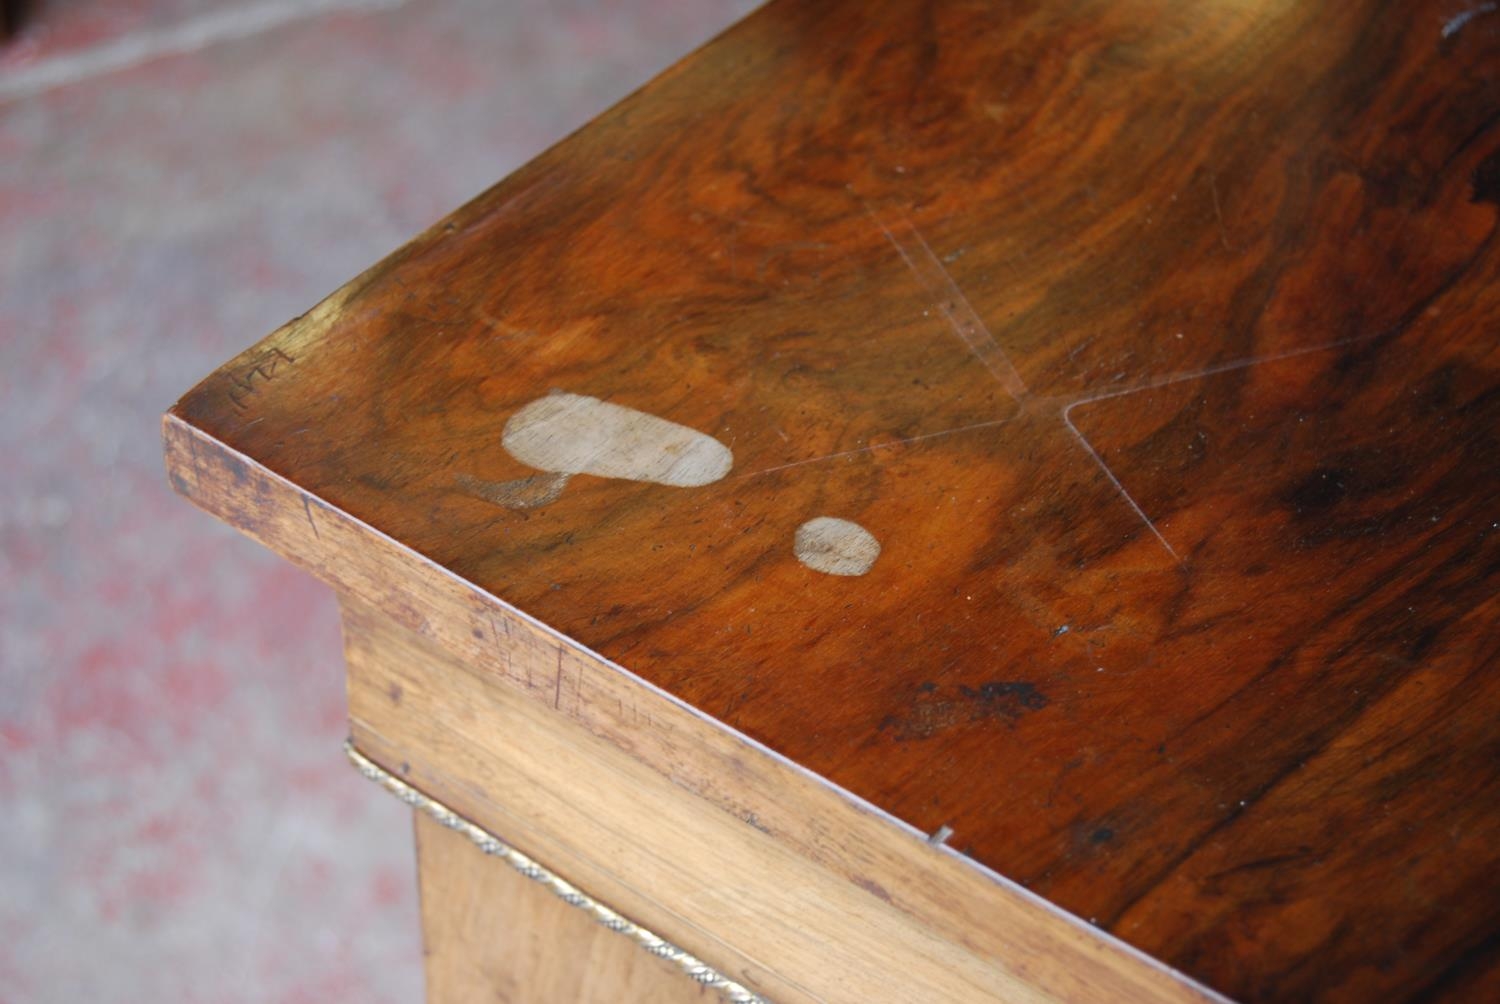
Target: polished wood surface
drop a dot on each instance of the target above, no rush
(1154, 344)
(489, 934)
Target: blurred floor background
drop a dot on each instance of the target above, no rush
(177, 178)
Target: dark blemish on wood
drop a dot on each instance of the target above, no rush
(522, 493)
(1006, 699)
(927, 719)
(237, 470)
(1102, 835)
(395, 692)
(872, 887)
(1320, 490)
(405, 767)
(1301, 854)
(754, 820)
(1001, 701)
(1487, 180)
(407, 616)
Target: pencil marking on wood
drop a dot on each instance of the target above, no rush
(567, 434)
(244, 383)
(951, 302)
(835, 546)
(307, 508)
(503, 651)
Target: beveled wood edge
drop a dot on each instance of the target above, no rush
(951, 894)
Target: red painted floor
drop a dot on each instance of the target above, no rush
(177, 178)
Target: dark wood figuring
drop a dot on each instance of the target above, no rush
(1155, 343)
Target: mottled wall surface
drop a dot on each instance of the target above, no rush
(178, 177)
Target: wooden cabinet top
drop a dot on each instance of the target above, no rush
(1073, 428)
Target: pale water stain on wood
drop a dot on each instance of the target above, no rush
(835, 546)
(575, 434)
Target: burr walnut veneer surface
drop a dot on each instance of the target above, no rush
(1151, 347)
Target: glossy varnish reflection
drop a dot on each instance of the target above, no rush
(1156, 346)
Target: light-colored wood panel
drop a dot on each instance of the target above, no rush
(715, 883)
(491, 934)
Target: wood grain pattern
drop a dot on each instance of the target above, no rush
(491, 934)
(1155, 344)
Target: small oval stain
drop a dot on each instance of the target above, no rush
(835, 546)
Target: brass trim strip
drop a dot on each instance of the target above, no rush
(556, 884)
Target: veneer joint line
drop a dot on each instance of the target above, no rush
(556, 884)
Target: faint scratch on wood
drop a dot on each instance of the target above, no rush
(1224, 367)
(951, 302)
(1213, 189)
(1198, 374)
(557, 683)
(907, 441)
(1456, 23)
(1089, 449)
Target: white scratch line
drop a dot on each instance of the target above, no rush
(953, 305)
(190, 35)
(1089, 448)
(1235, 364)
(873, 447)
(1457, 22)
